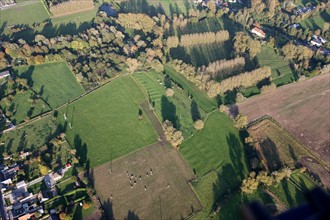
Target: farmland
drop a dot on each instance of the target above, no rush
(164, 191)
(22, 107)
(178, 108)
(118, 131)
(53, 81)
(302, 113)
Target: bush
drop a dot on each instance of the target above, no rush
(199, 124)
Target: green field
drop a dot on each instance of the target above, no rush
(21, 107)
(281, 71)
(29, 137)
(217, 157)
(53, 81)
(106, 121)
(201, 98)
(176, 108)
(29, 13)
(318, 21)
(291, 191)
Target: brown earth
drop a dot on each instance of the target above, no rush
(166, 194)
(302, 108)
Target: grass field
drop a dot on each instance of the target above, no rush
(107, 121)
(152, 7)
(29, 137)
(21, 107)
(291, 191)
(281, 71)
(199, 96)
(162, 192)
(177, 108)
(318, 21)
(32, 11)
(217, 157)
(53, 81)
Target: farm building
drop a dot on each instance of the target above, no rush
(257, 31)
(4, 74)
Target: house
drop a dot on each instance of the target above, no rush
(316, 42)
(49, 181)
(21, 184)
(258, 32)
(4, 74)
(9, 172)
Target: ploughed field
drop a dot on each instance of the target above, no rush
(301, 108)
(151, 183)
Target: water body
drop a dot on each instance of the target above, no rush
(107, 8)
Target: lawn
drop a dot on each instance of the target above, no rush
(29, 13)
(318, 21)
(201, 98)
(106, 122)
(216, 156)
(177, 108)
(22, 107)
(281, 71)
(31, 136)
(53, 81)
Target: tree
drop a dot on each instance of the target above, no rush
(172, 135)
(169, 92)
(43, 169)
(241, 121)
(172, 42)
(199, 124)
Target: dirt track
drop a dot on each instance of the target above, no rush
(301, 108)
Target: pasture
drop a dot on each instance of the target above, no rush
(178, 109)
(217, 157)
(29, 137)
(281, 71)
(24, 13)
(151, 183)
(53, 81)
(105, 122)
(302, 113)
(21, 107)
(200, 97)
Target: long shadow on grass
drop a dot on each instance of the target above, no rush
(195, 113)
(271, 153)
(237, 156)
(168, 111)
(28, 75)
(141, 6)
(81, 149)
(131, 215)
(107, 207)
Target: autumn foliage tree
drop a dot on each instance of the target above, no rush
(243, 43)
(172, 135)
(188, 40)
(137, 21)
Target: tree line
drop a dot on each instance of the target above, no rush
(69, 7)
(222, 68)
(188, 40)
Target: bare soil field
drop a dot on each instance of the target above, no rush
(151, 183)
(301, 108)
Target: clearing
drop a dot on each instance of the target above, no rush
(301, 108)
(106, 121)
(162, 192)
(53, 81)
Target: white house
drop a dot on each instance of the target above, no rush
(316, 42)
(257, 31)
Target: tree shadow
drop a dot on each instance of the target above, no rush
(237, 155)
(167, 81)
(107, 206)
(233, 110)
(81, 149)
(230, 97)
(131, 215)
(195, 113)
(28, 76)
(293, 155)
(168, 111)
(270, 152)
(140, 6)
